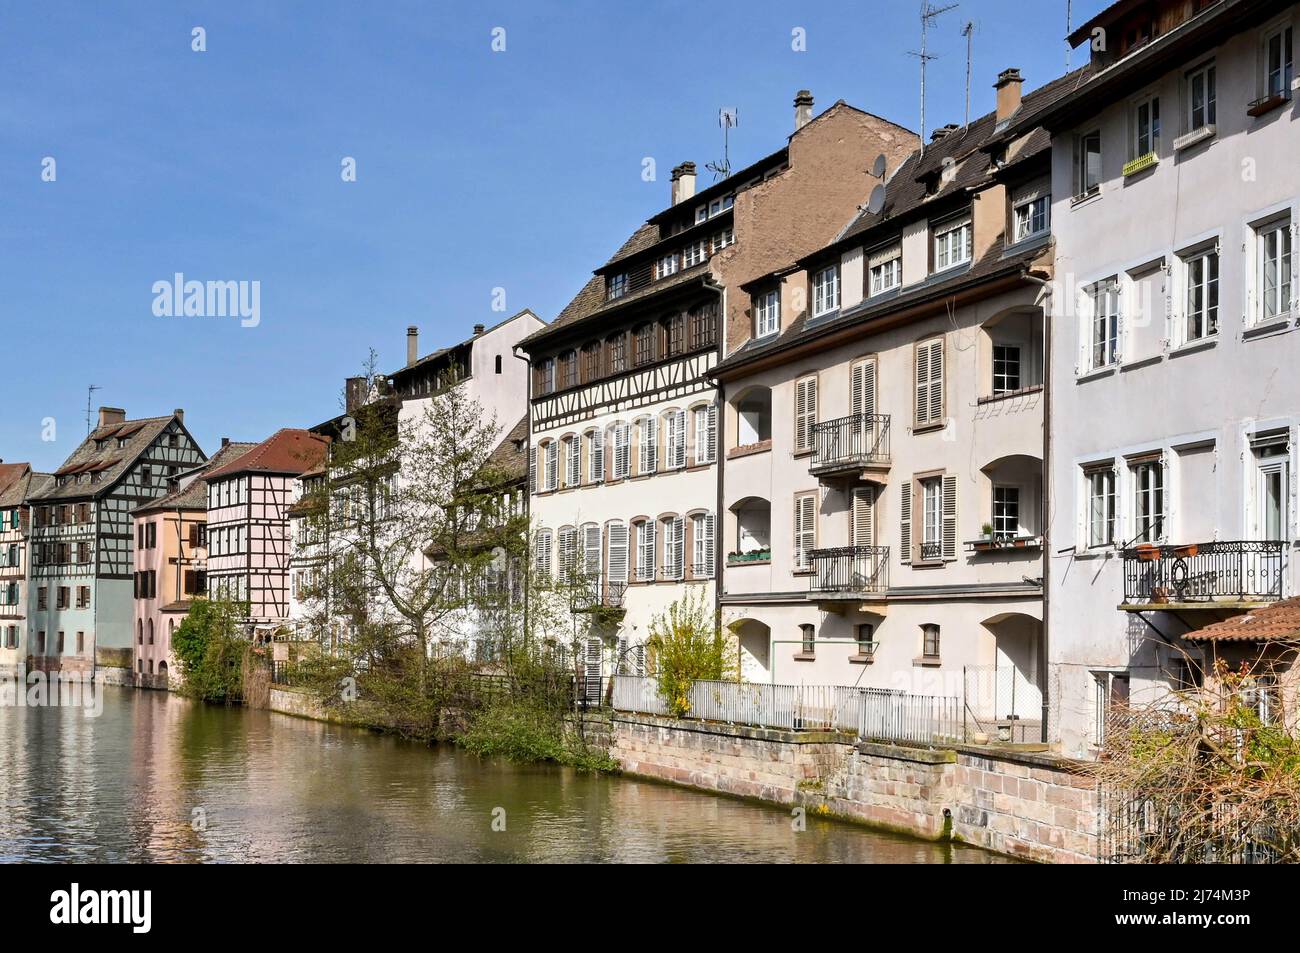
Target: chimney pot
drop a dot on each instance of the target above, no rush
(111, 415)
(943, 131)
(479, 329)
(803, 105)
(412, 345)
(179, 413)
(1009, 86)
(683, 182)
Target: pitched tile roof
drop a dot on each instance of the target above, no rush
(109, 460)
(194, 494)
(511, 455)
(11, 473)
(288, 451)
(27, 484)
(1277, 622)
(442, 352)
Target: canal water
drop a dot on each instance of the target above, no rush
(158, 778)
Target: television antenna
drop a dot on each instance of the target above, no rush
(90, 399)
(1069, 28)
(929, 13)
(968, 31)
(728, 119)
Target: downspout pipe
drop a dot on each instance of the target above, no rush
(528, 489)
(1045, 497)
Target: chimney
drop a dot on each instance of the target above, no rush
(412, 345)
(1008, 86)
(225, 441)
(943, 131)
(479, 329)
(683, 182)
(803, 104)
(179, 414)
(111, 415)
(354, 393)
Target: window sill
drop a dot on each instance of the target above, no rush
(1142, 362)
(1096, 373)
(1086, 198)
(1192, 347)
(1195, 137)
(747, 562)
(1266, 104)
(927, 661)
(861, 659)
(1276, 325)
(930, 428)
(797, 454)
(804, 657)
(749, 449)
(1009, 395)
(927, 563)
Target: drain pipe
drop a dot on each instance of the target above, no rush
(1044, 667)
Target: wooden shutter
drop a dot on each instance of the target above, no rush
(704, 548)
(591, 549)
(675, 547)
(676, 439)
(596, 453)
(864, 516)
(645, 558)
(929, 382)
(905, 524)
(863, 388)
(712, 446)
(618, 554)
(805, 529)
(950, 516)
(805, 412)
(649, 449)
(573, 462)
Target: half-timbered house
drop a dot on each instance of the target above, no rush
(624, 419)
(79, 606)
(17, 481)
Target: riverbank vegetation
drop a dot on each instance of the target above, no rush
(688, 646)
(213, 653)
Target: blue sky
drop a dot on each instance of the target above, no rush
(475, 170)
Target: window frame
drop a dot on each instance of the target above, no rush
(767, 313)
(945, 250)
(1082, 189)
(1201, 295)
(825, 286)
(1208, 75)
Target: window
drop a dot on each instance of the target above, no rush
(826, 290)
(1278, 65)
(595, 457)
(645, 551)
(1087, 165)
(1274, 272)
(931, 519)
(550, 465)
(704, 326)
(808, 639)
(805, 413)
(953, 244)
(617, 353)
(694, 253)
(1272, 460)
(83, 597)
(1146, 127)
(591, 362)
(674, 547)
(1202, 270)
(542, 551)
(885, 269)
(930, 641)
(621, 434)
(929, 382)
(568, 369)
(546, 376)
(617, 569)
(1201, 94)
(498, 364)
(1100, 483)
(1148, 500)
(865, 633)
(1032, 217)
(1006, 512)
(1112, 694)
(617, 285)
(572, 462)
(722, 239)
(1006, 368)
(648, 445)
(675, 439)
(667, 265)
(805, 530)
(702, 527)
(674, 334)
(767, 313)
(706, 433)
(1104, 350)
(644, 337)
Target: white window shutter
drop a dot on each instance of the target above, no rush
(708, 524)
(543, 552)
(596, 455)
(676, 439)
(573, 463)
(645, 560)
(675, 547)
(550, 477)
(863, 395)
(805, 412)
(950, 516)
(864, 505)
(805, 529)
(712, 445)
(618, 553)
(905, 524)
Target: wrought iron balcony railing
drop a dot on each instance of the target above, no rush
(849, 570)
(1220, 571)
(850, 443)
(592, 592)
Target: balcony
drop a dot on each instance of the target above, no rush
(849, 572)
(850, 446)
(591, 594)
(1204, 575)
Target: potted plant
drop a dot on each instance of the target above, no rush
(1148, 552)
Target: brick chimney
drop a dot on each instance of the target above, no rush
(225, 441)
(479, 329)
(412, 345)
(803, 104)
(1008, 86)
(179, 414)
(683, 182)
(111, 415)
(943, 132)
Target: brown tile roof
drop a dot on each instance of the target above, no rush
(194, 494)
(511, 455)
(1278, 622)
(110, 461)
(288, 451)
(12, 472)
(25, 486)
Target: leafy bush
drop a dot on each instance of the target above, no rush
(211, 649)
(688, 646)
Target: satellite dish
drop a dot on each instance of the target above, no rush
(877, 200)
(878, 167)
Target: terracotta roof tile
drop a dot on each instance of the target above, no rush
(99, 453)
(194, 494)
(1279, 621)
(289, 451)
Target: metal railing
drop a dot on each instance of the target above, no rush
(858, 440)
(1204, 572)
(918, 719)
(1003, 702)
(593, 592)
(849, 569)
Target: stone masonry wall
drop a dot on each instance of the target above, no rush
(1031, 805)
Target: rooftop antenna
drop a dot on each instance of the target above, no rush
(929, 12)
(1069, 28)
(90, 399)
(968, 31)
(728, 119)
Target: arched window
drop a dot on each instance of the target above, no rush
(645, 344)
(620, 442)
(674, 439)
(704, 420)
(139, 632)
(151, 631)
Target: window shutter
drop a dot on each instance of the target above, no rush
(805, 529)
(712, 444)
(864, 505)
(551, 476)
(618, 546)
(597, 454)
(622, 461)
(676, 547)
(950, 516)
(649, 450)
(863, 396)
(929, 382)
(573, 463)
(645, 560)
(805, 412)
(707, 525)
(905, 525)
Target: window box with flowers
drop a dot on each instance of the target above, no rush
(755, 557)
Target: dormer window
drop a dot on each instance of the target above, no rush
(666, 266)
(1031, 215)
(953, 243)
(767, 313)
(617, 286)
(826, 290)
(885, 268)
(719, 205)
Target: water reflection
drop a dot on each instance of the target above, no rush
(158, 778)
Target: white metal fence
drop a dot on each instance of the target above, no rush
(871, 713)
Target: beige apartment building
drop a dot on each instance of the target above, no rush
(623, 415)
(882, 487)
